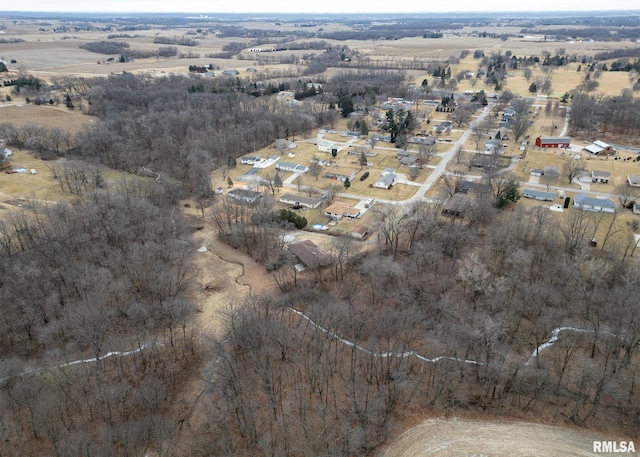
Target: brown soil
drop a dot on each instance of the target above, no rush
(453, 437)
(225, 276)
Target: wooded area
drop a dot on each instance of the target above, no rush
(439, 315)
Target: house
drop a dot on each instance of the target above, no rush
(551, 171)
(294, 167)
(454, 207)
(553, 142)
(338, 210)
(389, 171)
(282, 143)
(636, 208)
(508, 114)
(633, 180)
(443, 127)
(586, 203)
(341, 174)
(425, 140)
(409, 160)
(307, 202)
(326, 146)
(351, 134)
(357, 151)
(599, 148)
(360, 232)
(386, 181)
(473, 187)
(494, 146)
(309, 254)
(244, 195)
(382, 137)
(251, 160)
(538, 195)
(600, 176)
(231, 72)
(536, 172)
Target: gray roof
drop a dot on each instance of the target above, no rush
(387, 180)
(583, 200)
(538, 194)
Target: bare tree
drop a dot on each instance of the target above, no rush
(572, 167)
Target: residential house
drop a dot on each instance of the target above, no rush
(454, 207)
(351, 134)
(339, 210)
(294, 167)
(231, 72)
(409, 160)
(443, 127)
(553, 142)
(309, 254)
(301, 200)
(386, 181)
(341, 174)
(282, 143)
(382, 137)
(251, 160)
(636, 208)
(494, 146)
(428, 140)
(326, 146)
(536, 172)
(633, 180)
(600, 176)
(360, 232)
(551, 171)
(599, 148)
(473, 187)
(586, 203)
(508, 114)
(538, 195)
(244, 195)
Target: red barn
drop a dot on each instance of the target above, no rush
(553, 142)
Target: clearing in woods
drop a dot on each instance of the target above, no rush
(462, 438)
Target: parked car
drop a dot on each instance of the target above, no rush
(364, 176)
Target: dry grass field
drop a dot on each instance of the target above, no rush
(20, 115)
(454, 438)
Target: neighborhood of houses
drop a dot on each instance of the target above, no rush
(354, 148)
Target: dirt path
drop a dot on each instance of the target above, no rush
(226, 277)
(462, 438)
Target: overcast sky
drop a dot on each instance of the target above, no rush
(324, 6)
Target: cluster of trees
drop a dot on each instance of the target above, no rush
(103, 281)
(484, 291)
(182, 41)
(614, 114)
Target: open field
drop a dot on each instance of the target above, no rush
(49, 117)
(455, 438)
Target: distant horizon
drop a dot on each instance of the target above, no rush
(329, 7)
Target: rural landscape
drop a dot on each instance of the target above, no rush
(320, 235)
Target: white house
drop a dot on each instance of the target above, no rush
(633, 180)
(387, 180)
(600, 176)
(244, 195)
(294, 167)
(251, 160)
(326, 146)
(308, 202)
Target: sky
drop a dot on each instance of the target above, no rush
(324, 6)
